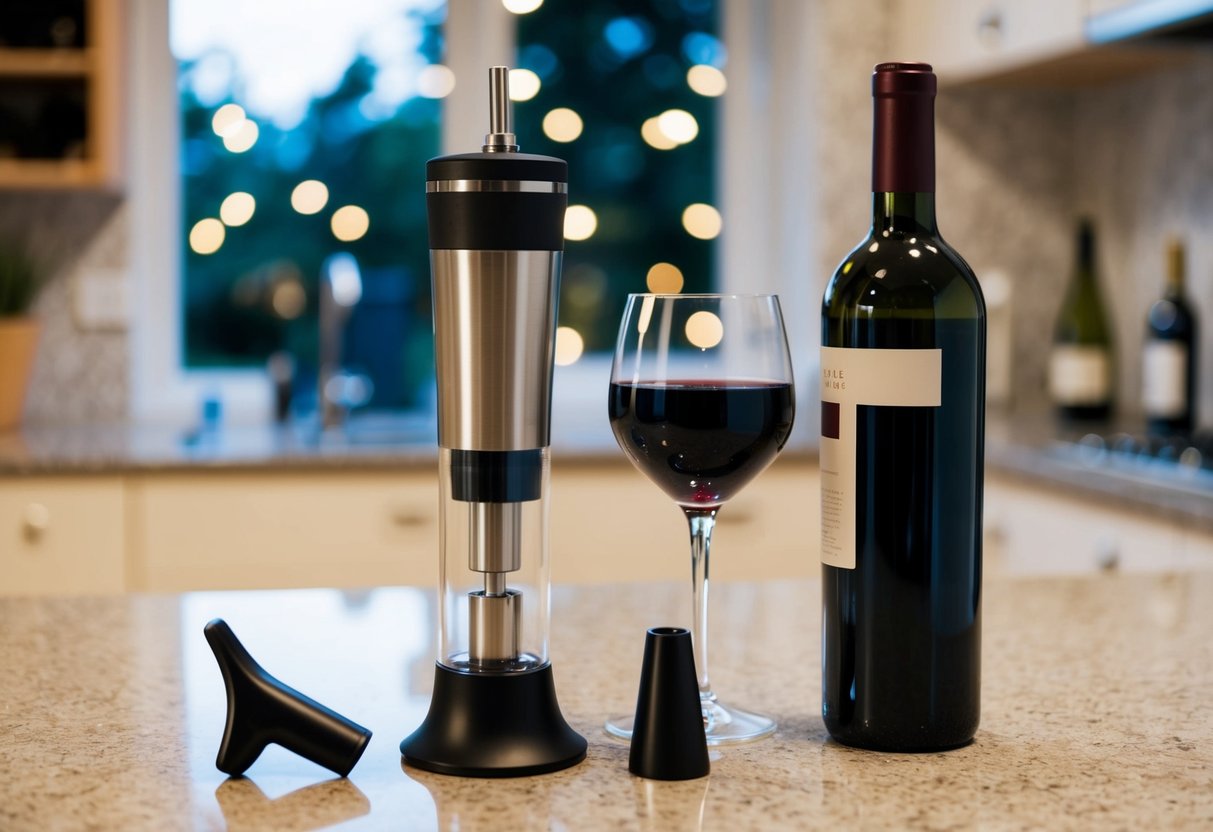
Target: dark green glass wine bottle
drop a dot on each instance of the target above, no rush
(1081, 365)
(903, 416)
(1168, 367)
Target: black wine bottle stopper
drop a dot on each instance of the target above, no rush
(668, 740)
(262, 710)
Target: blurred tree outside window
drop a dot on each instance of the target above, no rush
(306, 125)
(625, 90)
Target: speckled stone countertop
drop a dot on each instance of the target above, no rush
(1095, 714)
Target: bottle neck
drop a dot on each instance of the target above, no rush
(903, 152)
(903, 137)
(1084, 268)
(1175, 271)
(908, 213)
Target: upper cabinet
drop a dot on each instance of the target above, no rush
(1047, 42)
(61, 103)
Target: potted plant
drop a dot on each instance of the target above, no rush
(20, 279)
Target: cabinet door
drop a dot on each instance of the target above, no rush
(609, 523)
(1041, 530)
(61, 535)
(267, 530)
(967, 39)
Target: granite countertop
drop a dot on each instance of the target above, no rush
(1095, 714)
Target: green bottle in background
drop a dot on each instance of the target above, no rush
(1081, 367)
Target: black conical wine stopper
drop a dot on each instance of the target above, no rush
(668, 740)
(262, 710)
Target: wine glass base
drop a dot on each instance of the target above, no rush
(722, 725)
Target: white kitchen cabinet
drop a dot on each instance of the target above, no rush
(607, 521)
(965, 39)
(62, 535)
(212, 530)
(1041, 530)
(168, 532)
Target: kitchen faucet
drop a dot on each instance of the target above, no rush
(340, 291)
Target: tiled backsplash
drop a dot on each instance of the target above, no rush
(78, 376)
(1015, 168)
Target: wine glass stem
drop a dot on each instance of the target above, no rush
(701, 521)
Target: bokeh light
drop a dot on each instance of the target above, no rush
(242, 137)
(706, 80)
(521, 6)
(664, 279)
(288, 299)
(310, 196)
(702, 221)
(350, 222)
(435, 81)
(237, 208)
(207, 236)
(678, 126)
(227, 120)
(524, 85)
(569, 346)
(562, 125)
(580, 222)
(652, 135)
(704, 329)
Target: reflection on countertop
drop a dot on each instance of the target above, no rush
(1094, 713)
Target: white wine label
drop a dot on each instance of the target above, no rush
(849, 378)
(1164, 373)
(1079, 375)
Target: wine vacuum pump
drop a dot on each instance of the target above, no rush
(496, 230)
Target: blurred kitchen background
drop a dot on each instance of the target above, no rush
(217, 193)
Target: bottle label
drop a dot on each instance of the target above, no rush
(1164, 375)
(1079, 375)
(851, 377)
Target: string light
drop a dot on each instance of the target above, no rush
(524, 85)
(237, 209)
(562, 125)
(702, 221)
(207, 236)
(227, 120)
(580, 222)
(664, 279)
(707, 80)
(569, 346)
(350, 222)
(310, 196)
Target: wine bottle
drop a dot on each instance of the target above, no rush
(1168, 372)
(903, 422)
(1080, 365)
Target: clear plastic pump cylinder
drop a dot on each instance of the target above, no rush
(495, 590)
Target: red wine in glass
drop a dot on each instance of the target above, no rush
(701, 441)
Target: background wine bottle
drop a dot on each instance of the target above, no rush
(1169, 354)
(903, 416)
(1081, 363)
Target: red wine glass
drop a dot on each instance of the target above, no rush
(701, 401)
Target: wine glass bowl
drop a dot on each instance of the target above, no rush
(701, 401)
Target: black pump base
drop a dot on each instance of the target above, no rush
(493, 725)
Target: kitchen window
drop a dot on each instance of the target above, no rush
(627, 92)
